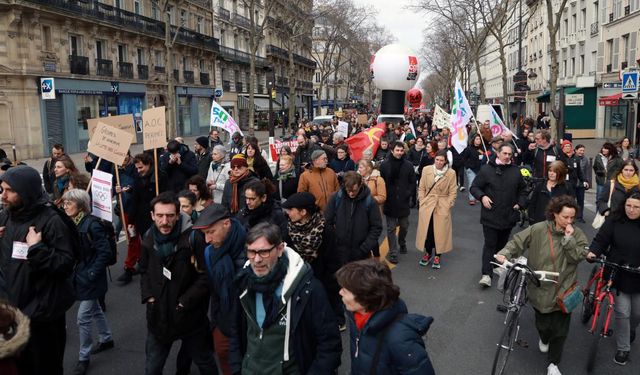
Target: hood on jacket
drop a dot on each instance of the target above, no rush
(13, 346)
(362, 194)
(26, 181)
(381, 319)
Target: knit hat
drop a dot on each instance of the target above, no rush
(239, 161)
(203, 142)
(564, 143)
(316, 154)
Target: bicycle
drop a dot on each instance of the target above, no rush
(597, 300)
(517, 278)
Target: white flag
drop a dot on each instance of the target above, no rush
(221, 119)
(441, 119)
(460, 116)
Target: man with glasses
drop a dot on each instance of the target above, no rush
(224, 257)
(287, 325)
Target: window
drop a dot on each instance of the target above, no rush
(101, 49)
(122, 53)
(565, 26)
(609, 52)
(222, 40)
(235, 41)
(159, 59)
(46, 38)
(116, 3)
(140, 55)
(154, 11)
(203, 68)
(137, 7)
(199, 27)
(172, 14)
(317, 77)
(185, 63)
(573, 67)
(75, 45)
(184, 18)
(625, 48)
(581, 65)
(574, 22)
(583, 19)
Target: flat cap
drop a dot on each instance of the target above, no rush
(210, 215)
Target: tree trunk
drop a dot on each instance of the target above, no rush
(553, 77)
(335, 81)
(483, 95)
(505, 83)
(320, 87)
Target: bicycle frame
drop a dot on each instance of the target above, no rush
(608, 295)
(598, 279)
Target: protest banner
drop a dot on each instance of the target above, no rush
(365, 140)
(110, 143)
(122, 122)
(363, 119)
(460, 116)
(154, 128)
(343, 128)
(101, 195)
(275, 146)
(221, 118)
(441, 119)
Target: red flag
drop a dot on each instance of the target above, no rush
(366, 140)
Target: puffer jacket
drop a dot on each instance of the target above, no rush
(568, 252)
(400, 188)
(506, 188)
(540, 198)
(402, 351)
(605, 174)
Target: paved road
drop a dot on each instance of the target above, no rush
(461, 341)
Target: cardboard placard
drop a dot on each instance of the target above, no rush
(122, 122)
(101, 193)
(154, 128)
(110, 143)
(362, 119)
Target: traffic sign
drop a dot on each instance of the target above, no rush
(630, 96)
(218, 92)
(629, 82)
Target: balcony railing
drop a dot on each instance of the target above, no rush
(159, 69)
(129, 21)
(235, 55)
(126, 69)
(105, 67)
(307, 85)
(284, 54)
(304, 61)
(224, 14)
(143, 72)
(188, 76)
(176, 75)
(226, 86)
(241, 21)
(594, 28)
(79, 64)
(204, 79)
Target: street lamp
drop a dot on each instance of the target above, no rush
(272, 130)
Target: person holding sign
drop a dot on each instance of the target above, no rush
(179, 164)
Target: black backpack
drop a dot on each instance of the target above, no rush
(111, 237)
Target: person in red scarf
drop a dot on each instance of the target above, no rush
(233, 193)
(385, 339)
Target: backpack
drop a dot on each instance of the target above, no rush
(111, 237)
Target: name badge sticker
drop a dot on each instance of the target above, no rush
(166, 273)
(551, 158)
(20, 250)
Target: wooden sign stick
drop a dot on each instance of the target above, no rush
(122, 217)
(155, 166)
(96, 167)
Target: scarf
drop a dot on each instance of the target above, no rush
(220, 267)
(432, 154)
(165, 244)
(440, 173)
(215, 166)
(283, 176)
(499, 162)
(361, 319)
(307, 237)
(234, 192)
(250, 163)
(61, 182)
(267, 285)
(629, 183)
(78, 218)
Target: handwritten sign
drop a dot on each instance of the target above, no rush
(154, 128)
(276, 145)
(110, 143)
(362, 119)
(122, 122)
(101, 193)
(441, 119)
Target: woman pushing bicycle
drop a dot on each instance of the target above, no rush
(618, 240)
(551, 245)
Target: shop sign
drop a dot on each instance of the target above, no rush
(81, 92)
(218, 92)
(47, 87)
(612, 85)
(49, 66)
(574, 100)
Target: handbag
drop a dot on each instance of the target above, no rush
(599, 219)
(572, 296)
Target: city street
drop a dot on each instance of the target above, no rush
(461, 340)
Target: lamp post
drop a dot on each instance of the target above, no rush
(270, 89)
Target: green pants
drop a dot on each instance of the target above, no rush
(553, 328)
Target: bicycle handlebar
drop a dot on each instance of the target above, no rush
(540, 275)
(603, 260)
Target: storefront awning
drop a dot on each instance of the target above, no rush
(572, 90)
(610, 101)
(544, 97)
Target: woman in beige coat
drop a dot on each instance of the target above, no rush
(437, 192)
(374, 181)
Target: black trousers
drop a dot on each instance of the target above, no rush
(44, 354)
(553, 328)
(459, 169)
(430, 241)
(494, 241)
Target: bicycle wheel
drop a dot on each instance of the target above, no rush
(588, 300)
(506, 344)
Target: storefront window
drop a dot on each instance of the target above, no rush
(184, 115)
(615, 122)
(131, 104)
(87, 106)
(204, 112)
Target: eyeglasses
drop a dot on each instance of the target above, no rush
(264, 253)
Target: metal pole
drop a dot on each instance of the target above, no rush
(272, 130)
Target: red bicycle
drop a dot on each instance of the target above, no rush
(598, 303)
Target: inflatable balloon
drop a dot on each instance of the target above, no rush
(414, 97)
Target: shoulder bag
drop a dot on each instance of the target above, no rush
(599, 219)
(570, 298)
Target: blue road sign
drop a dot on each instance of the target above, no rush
(218, 93)
(629, 82)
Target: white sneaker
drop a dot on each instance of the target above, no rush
(542, 346)
(485, 281)
(553, 370)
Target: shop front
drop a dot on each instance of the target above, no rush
(615, 111)
(194, 110)
(579, 114)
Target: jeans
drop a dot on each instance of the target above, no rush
(599, 189)
(553, 329)
(580, 199)
(401, 239)
(494, 241)
(44, 352)
(197, 344)
(471, 175)
(88, 312)
(627, 310)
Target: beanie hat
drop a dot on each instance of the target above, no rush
(564, 143)
(202, 141)
(316, 154)
(239, 161)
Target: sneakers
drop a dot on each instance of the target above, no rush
(485, 281)
(425, 260)
(403, 249)
(392, 259)
(462, 188)
(126, 277)
(472, 202)
(436, 262)
(544, 348)
(553, 370)
(101, 347)
(81, 368)
(621, 358)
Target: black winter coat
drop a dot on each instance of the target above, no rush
(403, 350)
(269, 212)
(575, 177)
(400, 189)
(617, 198)
(144, 190)
(618, 240)
(539, 159)
(302, 155)
(473, 158)
(228, 190)
(204, 161)
(356, 223)
(90, 278)
(506, 188)
(287, 187)
(540, 198)
(188, 286)
(178, 174)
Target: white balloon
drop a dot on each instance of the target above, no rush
(394, 67)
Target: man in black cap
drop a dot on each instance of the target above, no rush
(179, 164)
(203, 156)
(37, 260)
(224, 257)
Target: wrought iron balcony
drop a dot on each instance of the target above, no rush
(284, 54)
(159, 69)
(594, 28)
(126, 69)
(304, 61)
(204, 79)
(105, 67)
(235, 55)
(188, 76)
(224, 14)
(93, 11)
(143, 72)
(79, 64)
(241, 21)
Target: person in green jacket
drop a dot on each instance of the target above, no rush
(551, 245)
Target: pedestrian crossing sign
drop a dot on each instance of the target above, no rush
(629, 82)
